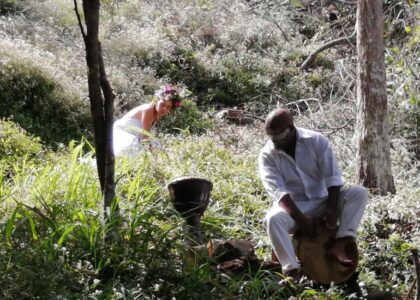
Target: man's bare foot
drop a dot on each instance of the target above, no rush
(337, 251)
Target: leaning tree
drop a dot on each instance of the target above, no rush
(101, 99)
(373, 147)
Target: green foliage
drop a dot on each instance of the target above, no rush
(53, 237)
(186, 118)
(61, 12)
(9, 7)
(17, 147)
(38, 104)
(386, 249)
(323, 61)
(234, 85)
(404, 92)
(52, 222)
(314, 79)
(415, 36)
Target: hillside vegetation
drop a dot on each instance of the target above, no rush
(242, 54)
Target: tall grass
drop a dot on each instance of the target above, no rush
(55, 243)
(53, 224)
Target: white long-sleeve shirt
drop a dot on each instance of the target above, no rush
(304, 178)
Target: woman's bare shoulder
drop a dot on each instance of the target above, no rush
(141, 109)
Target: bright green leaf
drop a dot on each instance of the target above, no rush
(28, 216)
(9, 227)
(65, 233)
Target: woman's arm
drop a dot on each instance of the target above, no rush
(147, 116)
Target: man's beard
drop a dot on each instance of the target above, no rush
(281, 146)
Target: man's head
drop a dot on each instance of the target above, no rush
(279, 127)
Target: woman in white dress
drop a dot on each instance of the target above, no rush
(135, 125)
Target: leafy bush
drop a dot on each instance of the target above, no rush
(404, 91)
(63, 234)
(188, 118)
(235, 80)
(17, 146)
(41, 106)
(60, 13)
(234, 85)
(9, 7)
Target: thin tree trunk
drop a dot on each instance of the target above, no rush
(101, 101)
(373, 148)
(109, 183)
(91, 11)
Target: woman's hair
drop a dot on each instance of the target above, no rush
(169, 92)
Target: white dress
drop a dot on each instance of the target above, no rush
(127, 134)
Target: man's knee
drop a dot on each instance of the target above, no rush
(358, 193)
(278, 221)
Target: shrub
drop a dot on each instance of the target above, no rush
(40, 105)
(16, 145)
(60, 13)
(187, 117)
(182, 66)
(404, 91)
(323, 61)
(8, 7)
(234, 84)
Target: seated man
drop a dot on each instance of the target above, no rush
(299, 171)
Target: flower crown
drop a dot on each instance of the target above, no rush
(171, 91)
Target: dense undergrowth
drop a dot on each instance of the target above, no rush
(225, 53)
(53, 243)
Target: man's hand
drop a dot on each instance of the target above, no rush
(331, 212)
(305, 224)
(307, 228)
(330, 218)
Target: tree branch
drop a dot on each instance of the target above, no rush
(328, 45)
(346, 2)
(410, 68)
(286, 38)
(109, 191)
(79, 20)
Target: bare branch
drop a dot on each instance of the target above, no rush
(286, 38)
(410, 68)
(335, 129)
(346, 2)
(239, 115)
(272, 20)
(79, 20)
(305, 101)
(328, 45)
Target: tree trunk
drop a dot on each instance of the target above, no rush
(109, 181)
(373, 148)
(101, 101)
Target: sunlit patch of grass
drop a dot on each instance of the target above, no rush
(60, 12)
(53, 217)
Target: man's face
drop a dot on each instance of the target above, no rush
(283, 138)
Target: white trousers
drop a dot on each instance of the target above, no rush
(351, 206)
